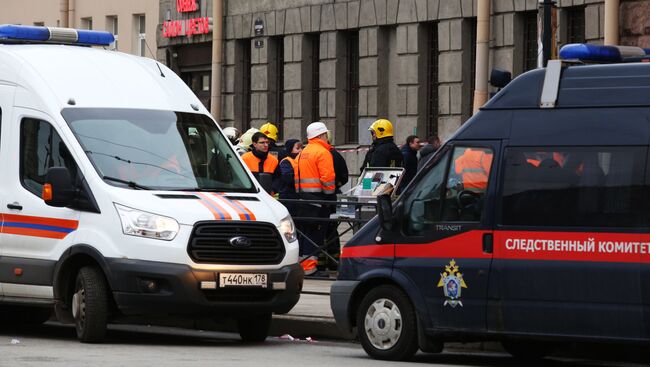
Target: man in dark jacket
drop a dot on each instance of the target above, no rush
(427, 150)
(292, 148)
(410, 154)
(383, 152)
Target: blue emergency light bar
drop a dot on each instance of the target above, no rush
(17, 33)
(597, 53)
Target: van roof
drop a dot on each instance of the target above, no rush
(54, 74)
(611, 85)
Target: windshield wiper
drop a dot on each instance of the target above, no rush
(130, 184)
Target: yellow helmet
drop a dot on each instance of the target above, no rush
(270, 130)
(382, 128)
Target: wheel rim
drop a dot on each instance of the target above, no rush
(79, 306)
(383, 324)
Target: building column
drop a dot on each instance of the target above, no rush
(294, 86)
(332, 84)
(451, 59)
(411, 80)
(227, 117)
(373, 75)
(259, 82)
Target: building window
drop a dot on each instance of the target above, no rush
(432, 79)
(87, 23)
(205, 82)
(352, 88)
(531, 48)
(111, 26)
(141, 41)
(314, 41)
(277, 86)
(243, 83)
(575, 24)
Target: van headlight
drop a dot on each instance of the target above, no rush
(138, 223)
(288, 229)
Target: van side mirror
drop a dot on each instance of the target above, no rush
(385, 212)
(266, 181)
(499, 78)
(58, 190)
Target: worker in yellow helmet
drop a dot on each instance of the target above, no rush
(383, 152)
(271, 132)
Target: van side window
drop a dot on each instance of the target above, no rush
(573, 186)
(41, 148)
(466, 184)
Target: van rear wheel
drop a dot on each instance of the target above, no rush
(386, 324)
(254, 329)
(90, 305)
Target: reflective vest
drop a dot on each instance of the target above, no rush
(474, 168)
(314, 169)
(255, 164)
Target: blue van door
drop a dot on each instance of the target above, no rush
(568, 242)
(446, 248)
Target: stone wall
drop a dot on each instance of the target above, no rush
(393, 57)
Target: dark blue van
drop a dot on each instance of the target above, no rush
(530, 226)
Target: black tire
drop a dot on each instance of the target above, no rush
(528, 350)
(401, 332)
(254, 329)
(11, 315)
(90, 305)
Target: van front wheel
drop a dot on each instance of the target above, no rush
(386, 324)
(90, 305)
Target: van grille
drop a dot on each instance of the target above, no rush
(209, 243)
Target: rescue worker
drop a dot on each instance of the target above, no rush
(292, 148)
(410, 154)
(258, 160)
(245, 142)
(473, 166)
(383, 152)
(271, 132)
(315, 180)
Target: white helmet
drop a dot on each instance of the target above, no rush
(315, 129)
(232, 134)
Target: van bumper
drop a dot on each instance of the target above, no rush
(178, 290)
(340, 297)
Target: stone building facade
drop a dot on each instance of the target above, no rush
(348, 62)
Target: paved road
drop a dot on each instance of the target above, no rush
(55, 345)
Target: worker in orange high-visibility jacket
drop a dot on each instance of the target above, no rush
(315, 180)
(473, 166)
(258, 160)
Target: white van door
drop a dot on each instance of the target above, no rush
(34, 234)
(6, 96)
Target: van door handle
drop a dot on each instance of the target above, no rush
(15, 206)
(488, 243)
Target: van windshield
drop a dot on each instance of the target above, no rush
(157, 150)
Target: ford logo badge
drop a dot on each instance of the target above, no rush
(240, 241)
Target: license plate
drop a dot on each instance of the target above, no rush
(242, 280)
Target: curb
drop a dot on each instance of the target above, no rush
(304, 326)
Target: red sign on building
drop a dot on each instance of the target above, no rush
(186, 6)
(188, 27)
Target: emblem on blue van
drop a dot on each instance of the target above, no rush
(452, 283)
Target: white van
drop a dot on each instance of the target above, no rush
(120, 196)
